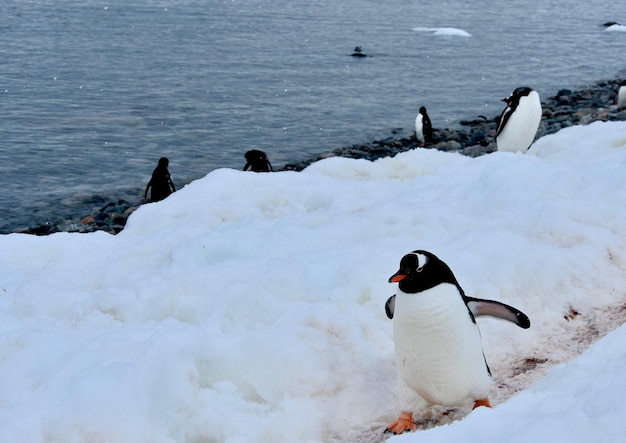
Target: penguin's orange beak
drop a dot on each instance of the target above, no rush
(398, 276)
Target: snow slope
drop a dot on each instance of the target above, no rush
(250, 307)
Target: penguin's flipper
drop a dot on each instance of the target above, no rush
(480, 307)
(390, 306)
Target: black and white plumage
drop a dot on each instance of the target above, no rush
(621, 97)
(257, 161)
(437, 342)
(519, 121)
(160, 184)
(423, 127)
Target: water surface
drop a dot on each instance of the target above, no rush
(94, 92)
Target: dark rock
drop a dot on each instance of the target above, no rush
(45, 229)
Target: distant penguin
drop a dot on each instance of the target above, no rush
(257, 161)
(358, 52)
(160, 182)
(621, 97)
(519, 121)
(438, 347)
(423, 127)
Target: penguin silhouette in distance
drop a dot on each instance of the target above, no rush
(358, 52)
(161, 182)
(423, 127)
(257, 161)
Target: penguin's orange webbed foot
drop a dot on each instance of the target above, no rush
(402, 424)
(482, 402)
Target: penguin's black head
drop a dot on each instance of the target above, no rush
(513, 99)
(421, 270)
(163, 162)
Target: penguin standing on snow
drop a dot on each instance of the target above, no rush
(519, 121)
(423, 127)
(438, 347)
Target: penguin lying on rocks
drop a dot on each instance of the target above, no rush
(438, 348)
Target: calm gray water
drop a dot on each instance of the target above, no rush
(94, 92)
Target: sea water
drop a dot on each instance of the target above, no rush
(94, 92)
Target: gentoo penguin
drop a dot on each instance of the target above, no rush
(423, 127)
(257, 161)
(160, 182)
(437, 342)
(621, 97)
(519, 121)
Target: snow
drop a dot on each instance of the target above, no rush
(250, 307)
(455, 32)
(615, 28)
(579, 401)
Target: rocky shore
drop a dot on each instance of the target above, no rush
(475, 137)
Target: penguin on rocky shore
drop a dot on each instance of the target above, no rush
(257, 161)
(519, 121)
(621, 97)
(423, 127)
(161, 182)
(438, 347)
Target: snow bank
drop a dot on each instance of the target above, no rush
(250, 307)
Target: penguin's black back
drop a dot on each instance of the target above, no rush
(427, 127)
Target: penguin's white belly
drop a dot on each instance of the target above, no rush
(419, 128)
(438, 348)
(521, 127)
(621, 97)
